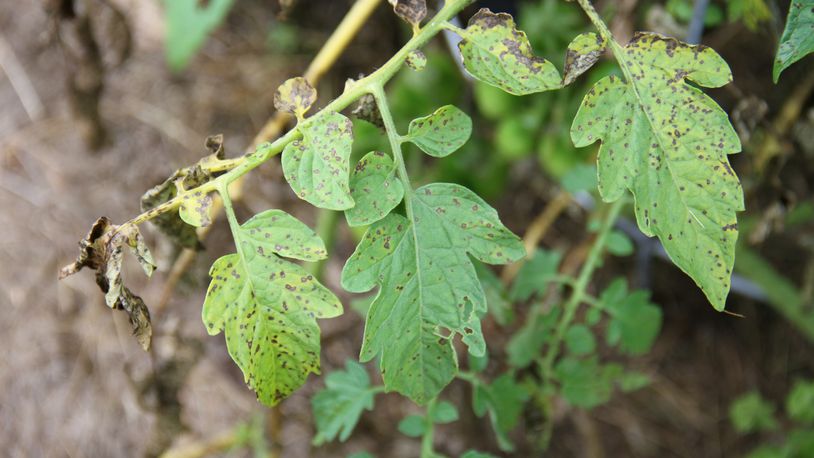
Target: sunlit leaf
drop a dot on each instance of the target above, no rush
(268, 306)
(316, 166)
(442, 132)
(338, 407)
(667, 142)
(495, 52)
(798, 36)
(429, 290)
(582, 54)
(375, 189)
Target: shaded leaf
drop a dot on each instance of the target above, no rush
(751, 413)
(295, 96)
(337, 408)
(444, 412)
(189, 22)
(535, 274)
(496, 301)
(667, 142)
(413, 425)
(411, 11)
(581, 177)
(632, 381)
(580, 340)
(477, 454)
(798, 36)
(495, 52)
(267, 306)
(526, 344)
(800, 402)
(582, 54)
(503, 399)
(584, 383)
(619, 244)
(429, 290)
(316, 166)
(635, 321)
(375, 189)
(442, 132)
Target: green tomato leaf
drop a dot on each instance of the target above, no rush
(533, 276)
(267, 306)
(619, 244)
(429, 290)
(751, 413)
(442, 132)
(338, 407)
(635, 321)
(444, 412)
(295, 96)
(581, 177)
(496, 301)
(477, 454)
(195, 208)
(316, 166)
(375, 189)
(413, 425)
(580, 340)
(800, 402)
(667, 142)
(189, 22)
(526, 344)
(495, 52)
(503, 399)
(582, 54)
(798, 36)
(632, 381)
(584, 383)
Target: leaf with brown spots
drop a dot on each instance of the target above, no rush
(582, 54)
(268, 306)
(317, 166)
(667, 142)
(798, 36)
(195, 208)
(495, 52)
(295, 96)
(375, 189)
(103, 251)
(416, 60)
(412, 11)
(441, 133)
(429, 290)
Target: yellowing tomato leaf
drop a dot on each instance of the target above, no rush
(667, 142)
(267, 306)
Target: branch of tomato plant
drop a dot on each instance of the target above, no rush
(578, 296)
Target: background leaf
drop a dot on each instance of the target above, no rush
(751, 413)
(189, 22)
(798, 36)
(337, 408)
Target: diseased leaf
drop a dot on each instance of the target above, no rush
(411, 11)
(798, 36)
(102, 250)
(582, 54)
(338, 407)
(316, 166)
(295, 96)
(667, 142)
(375, 189)
(189, 22)
(267, 306)
(495, 52)
(429, 290)
(195, 208)
(635, 321)
(416, 60)
(441, 133)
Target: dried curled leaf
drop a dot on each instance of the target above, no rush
(375, 189)
(411, 11)
(267, 306)
(667, 142)
(495, 52)
(582, 54)
(429, 289)
(102, 250)
(317, 166)
(441, 133)
(798, 36)
(295, 96)
(180, 227)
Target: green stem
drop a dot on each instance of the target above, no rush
(355, 90)
(428, 437)
(578, 296)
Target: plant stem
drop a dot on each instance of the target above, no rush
(578, 296)
(428, 437)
